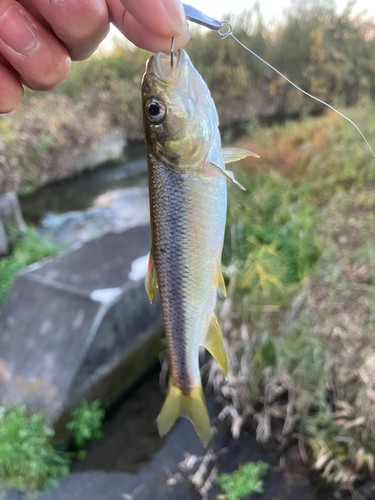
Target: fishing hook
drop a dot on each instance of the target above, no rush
(172, 50)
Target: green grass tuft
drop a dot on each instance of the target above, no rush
(270, 239)
(244, 481)
(86, 422)
(27, 460)
(28, 249)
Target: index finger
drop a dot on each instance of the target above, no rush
(80, 24)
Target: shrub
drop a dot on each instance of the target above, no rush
(247, 479)
(27, 460)
(86, 422)
(28, 249)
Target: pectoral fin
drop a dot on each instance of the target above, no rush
(228, 175)
(235, 154)
(215, 344)
(220, 278)
(151, 279)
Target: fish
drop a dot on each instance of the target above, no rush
(188, 205)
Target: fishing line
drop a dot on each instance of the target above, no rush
(229, 32)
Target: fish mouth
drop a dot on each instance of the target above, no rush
(163, 67)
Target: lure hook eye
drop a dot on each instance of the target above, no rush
(172, 51)
(229, 30)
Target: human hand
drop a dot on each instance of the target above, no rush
(39, 38)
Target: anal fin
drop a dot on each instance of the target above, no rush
(151, 282)
(215, 344)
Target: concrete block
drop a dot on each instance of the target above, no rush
(79, 326)
(4, 245)
(10, 211)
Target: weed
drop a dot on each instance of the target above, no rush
(27, 460)
(26, 191)
(86, 422)
(28, 249)
(46, 143)
(300, 257)
(247, 479)
(270, 239)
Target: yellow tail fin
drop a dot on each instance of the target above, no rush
(191, 406)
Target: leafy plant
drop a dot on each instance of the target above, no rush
(28, 249)
(270, 239)
(27, 460)
(247, 479)
(86, 422)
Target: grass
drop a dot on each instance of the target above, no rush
(244, 481)
(28, 249)
(300, 258)
(271, 239)
(86, 422)
(27, 460)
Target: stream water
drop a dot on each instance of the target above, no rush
(110, 198)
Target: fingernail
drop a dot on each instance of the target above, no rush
(16, 30)
(176, 14)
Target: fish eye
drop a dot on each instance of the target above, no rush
(155, 110)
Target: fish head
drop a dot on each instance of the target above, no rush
(179, 115)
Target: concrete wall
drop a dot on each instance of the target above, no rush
(79, 326)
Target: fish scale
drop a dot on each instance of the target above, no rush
(185, 274)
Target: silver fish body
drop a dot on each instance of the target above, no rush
(188, 202)
(187, 247)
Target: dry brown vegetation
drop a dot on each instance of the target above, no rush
(300, 317)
